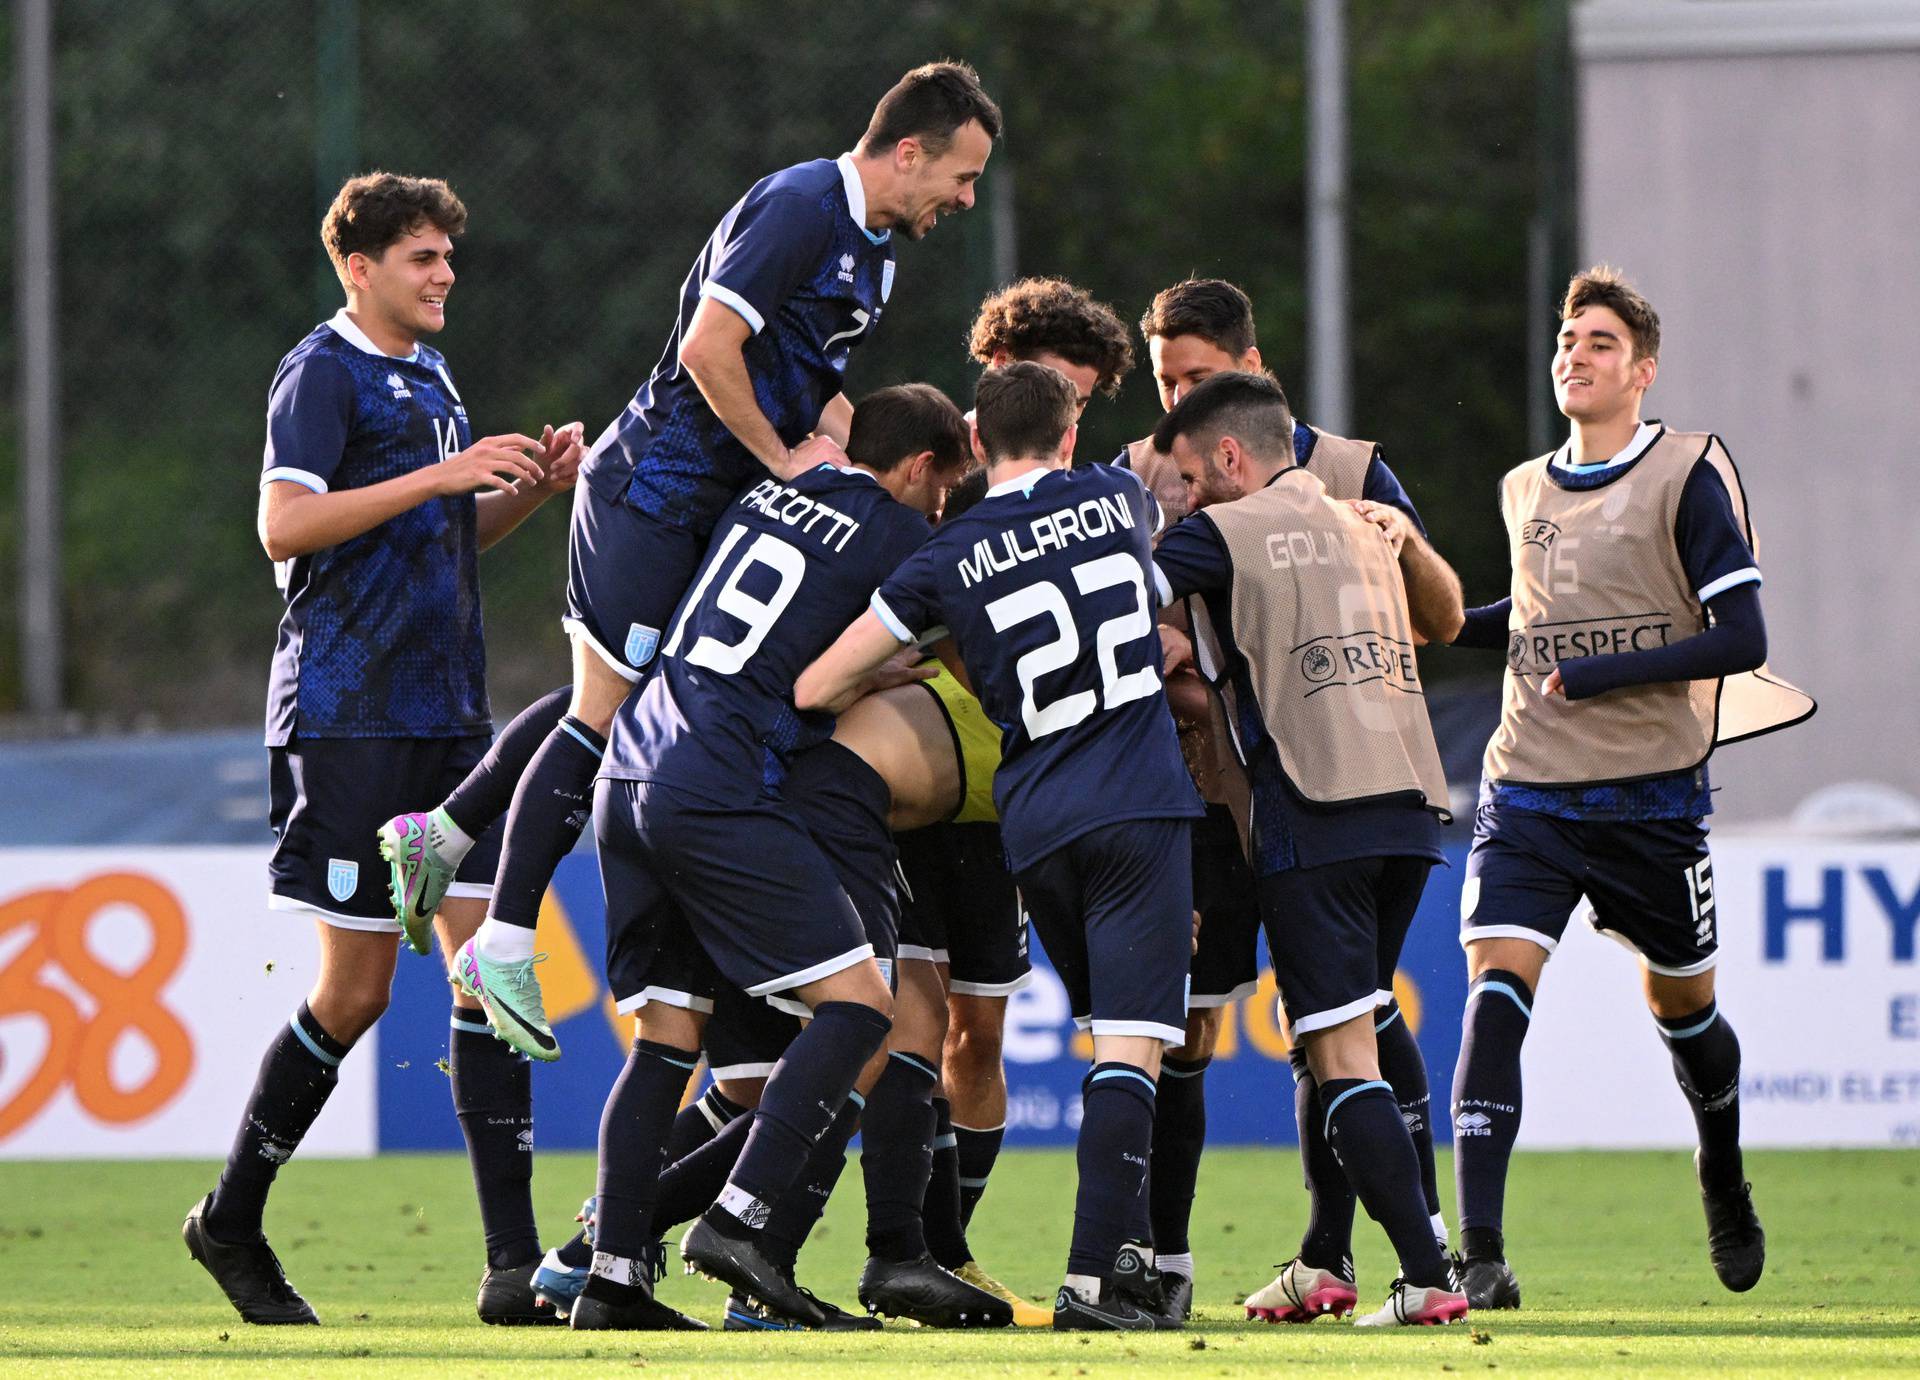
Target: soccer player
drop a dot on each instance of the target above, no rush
(1315, 658)
(710, 878)
(793, 278)
(377, 695)
(1193, 330)
(1043, 586)
(1635, 592)
(962, 911)
(932, 751)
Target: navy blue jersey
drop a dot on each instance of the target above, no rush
(794, 258)
(1044, 585)
(790, 565)
(1715, 554)
(381, 637)
(1289, 830)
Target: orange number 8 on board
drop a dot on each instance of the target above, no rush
(80, 1046)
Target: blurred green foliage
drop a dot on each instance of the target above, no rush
(596, 143)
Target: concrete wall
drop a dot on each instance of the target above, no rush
(1753, 167)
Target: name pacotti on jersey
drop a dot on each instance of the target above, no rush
(791, 508)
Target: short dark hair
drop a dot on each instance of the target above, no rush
(1251, 408)
(1022, 410)
(962, 496)
(1052, 316)
(1211, 308)
(894, 423)
(1603, 285)
(930, 104)
(376, 209)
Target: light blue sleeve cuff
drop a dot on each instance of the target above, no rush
(304, 478)
(1161, 588)
(1726, 582)
(888, 617)
(727, 297)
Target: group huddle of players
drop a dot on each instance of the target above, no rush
(859, 691)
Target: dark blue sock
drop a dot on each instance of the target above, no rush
(689, 1185)
(493, 1097)
(799, 1208)
(1706, 1062)
(550, 807)
(488, 790)
(1328, 1241)
(699, 1122)
(1486, 1105)
(940, 1209)
(896, 1156)
(577, 1253)
(1403, 1066)
(978, 1149)
(1116, 1137)
(1179, 1135)
(804, 1094)
(297, 1076)
(1364, 1128)
(633, 1128)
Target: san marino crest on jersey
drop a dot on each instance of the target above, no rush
(642, 642)
(343, 878)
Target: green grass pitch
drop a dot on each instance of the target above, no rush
(1610, 1249)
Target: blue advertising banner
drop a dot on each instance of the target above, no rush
(1249, 1088)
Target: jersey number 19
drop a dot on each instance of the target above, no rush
(787, 564)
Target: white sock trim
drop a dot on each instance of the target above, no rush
(744, 1205)
(500, 942)
(449, 840)
(1086, 1286)
(1181, 1264)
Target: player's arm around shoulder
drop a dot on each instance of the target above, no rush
(1435, 605)
(880, 648)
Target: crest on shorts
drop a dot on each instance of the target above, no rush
(641, 642)
(343, 878)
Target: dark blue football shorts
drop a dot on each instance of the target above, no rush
(746, 1036)
(701, 894)
(1649, 883)
(326, 797)
(625, 575)
(961, 908)
(1226, 965)
(1114, 910)
(1335, 933)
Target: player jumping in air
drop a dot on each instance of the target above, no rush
(712, 878)
(796, 275)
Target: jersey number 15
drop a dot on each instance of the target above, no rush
(1048, 600)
